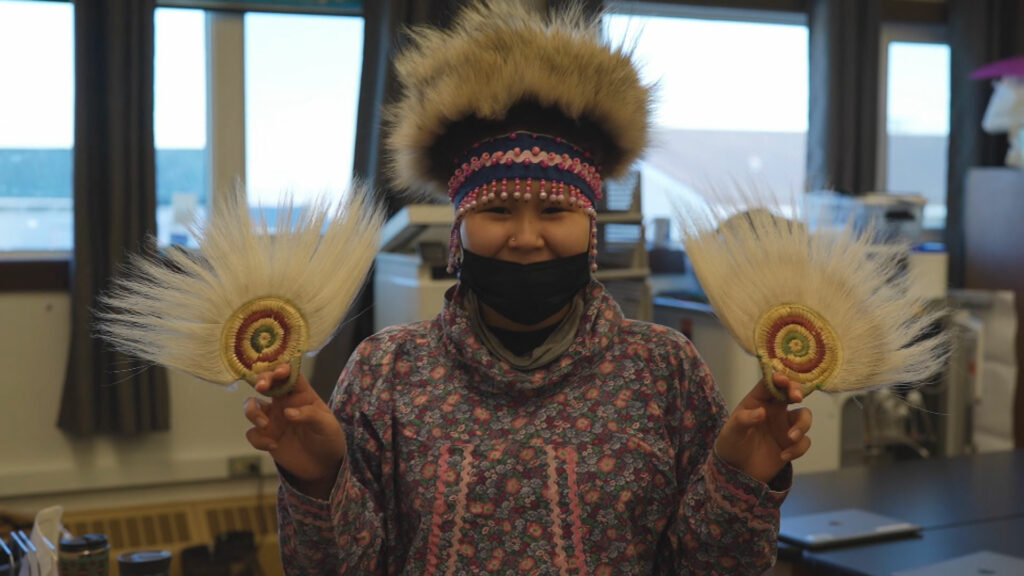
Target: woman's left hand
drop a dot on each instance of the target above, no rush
(763, 433)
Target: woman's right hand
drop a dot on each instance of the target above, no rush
(299, 430)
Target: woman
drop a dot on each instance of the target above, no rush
(529, 427)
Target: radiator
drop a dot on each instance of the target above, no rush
(179, 525)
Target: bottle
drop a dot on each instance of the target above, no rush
(87, 555)
(145, 563)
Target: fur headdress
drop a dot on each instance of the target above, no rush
(509, 96)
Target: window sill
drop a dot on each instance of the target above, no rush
(35, 272)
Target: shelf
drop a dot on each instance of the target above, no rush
(604, 274)
(631, 217)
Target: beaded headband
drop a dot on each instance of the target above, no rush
(523, 157)
(506, 167)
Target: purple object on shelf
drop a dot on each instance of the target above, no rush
(1012, 66)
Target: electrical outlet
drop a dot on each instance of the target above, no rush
(243, 466)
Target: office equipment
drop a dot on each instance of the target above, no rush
(892, 218)
(842, 527)
(409, 277)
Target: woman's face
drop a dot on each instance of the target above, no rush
(526, 231)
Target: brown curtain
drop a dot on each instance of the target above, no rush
(115, 211)
(981, 31)
(842, 134)
(384, 23)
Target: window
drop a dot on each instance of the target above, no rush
(36, 125)
(913, 157)
(302, 77)
(266, 98)
(738, 111)
(179, 121)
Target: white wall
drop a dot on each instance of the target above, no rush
(37, 459)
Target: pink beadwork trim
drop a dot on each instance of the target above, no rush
(584, 170)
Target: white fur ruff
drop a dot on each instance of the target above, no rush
(502, 52)
(748, 264)
(172, 310)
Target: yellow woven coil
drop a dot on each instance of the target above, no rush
(262, 334)
(798, 342)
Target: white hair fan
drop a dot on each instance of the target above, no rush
(822, 307)
(250, 298)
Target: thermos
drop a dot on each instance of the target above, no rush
(145, 563)
(86, 555)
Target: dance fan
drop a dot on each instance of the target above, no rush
(825, 307)
(251, 297)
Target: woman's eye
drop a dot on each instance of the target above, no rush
(553, 210)
(497, 210)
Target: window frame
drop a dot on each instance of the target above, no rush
(49, 271)
(910, 32)
(671, 7)
(321, 7)
(35, 270)
(771, 12)
(763, 12)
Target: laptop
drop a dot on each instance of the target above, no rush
(842, 527)
(984, 562)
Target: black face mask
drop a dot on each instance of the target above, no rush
(525, 293)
